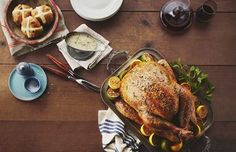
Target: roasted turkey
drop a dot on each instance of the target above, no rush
(151, 96)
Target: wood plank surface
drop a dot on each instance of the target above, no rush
(50, 137)
(66, 101)
(31, 136)
(155, 5)
(212, 44)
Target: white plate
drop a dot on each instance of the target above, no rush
(96, 10)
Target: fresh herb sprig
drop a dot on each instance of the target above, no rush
(197, 80)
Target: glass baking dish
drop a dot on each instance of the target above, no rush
(135, 128)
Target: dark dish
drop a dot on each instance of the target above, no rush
(176, 15)
(80, 48)
(15, 30)
(134, 126)
(32, 84)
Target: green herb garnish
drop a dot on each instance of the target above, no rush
(197, 80)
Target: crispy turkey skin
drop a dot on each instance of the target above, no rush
(152, 93)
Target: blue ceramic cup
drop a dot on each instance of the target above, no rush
(32, 84)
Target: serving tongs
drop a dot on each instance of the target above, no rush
(68, 73)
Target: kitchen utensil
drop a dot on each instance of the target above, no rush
(18, 88)
(176, 15)
(15, 30)
(68, 73)
(206, 11)
(133, 126)
(63, 66)
(96, 10)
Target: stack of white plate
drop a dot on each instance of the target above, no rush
(96, 10)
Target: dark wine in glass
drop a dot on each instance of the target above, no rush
(206, 11)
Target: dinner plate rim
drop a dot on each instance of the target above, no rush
(92, 18)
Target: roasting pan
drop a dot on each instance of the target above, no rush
(133, 126)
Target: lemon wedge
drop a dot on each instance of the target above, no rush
(146, 57)
(144, 131)
(198, 130)
(202, 111)
(112, 94)
(164, 145)
(134, 63)
(122, 74)
(152, 140)
(176, 147)
(186, 85)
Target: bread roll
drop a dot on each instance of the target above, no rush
(44, 14)
(31, 27)
(20, 12)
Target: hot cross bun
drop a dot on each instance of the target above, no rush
(20, 12)
(44, 14)
(31, 27)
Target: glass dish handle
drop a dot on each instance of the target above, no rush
(208, 144)
(114, 55)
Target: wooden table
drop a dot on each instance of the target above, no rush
(64, 119)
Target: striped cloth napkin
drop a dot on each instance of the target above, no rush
(115, 137)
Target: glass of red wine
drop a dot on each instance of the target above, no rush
(206, 11)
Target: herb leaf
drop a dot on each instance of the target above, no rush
(198, 81)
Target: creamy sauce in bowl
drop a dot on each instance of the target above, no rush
(82, 41)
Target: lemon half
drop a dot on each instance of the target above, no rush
(114, 82)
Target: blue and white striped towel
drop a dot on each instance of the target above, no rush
(115, 138)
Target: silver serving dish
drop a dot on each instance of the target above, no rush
(78, 54)
(133, 126)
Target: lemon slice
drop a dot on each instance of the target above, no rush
(176, 147)
(114, 82)
(164, 145)
(144, 131)
(198, 130)
(134, 63)
(112, 94)
(202, 111)
(122, 74)
(152, 140)
(146, 57)
(186, 85)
